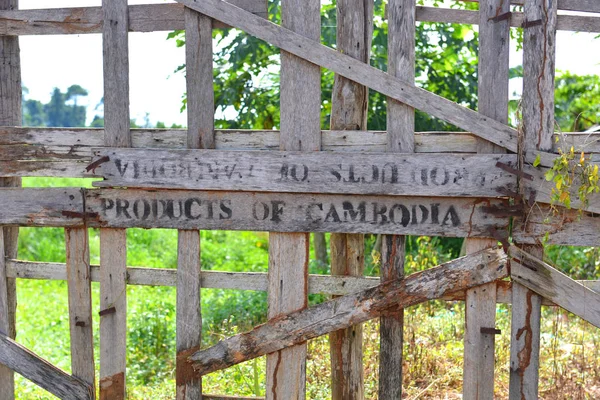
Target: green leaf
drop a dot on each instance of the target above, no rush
(538, 161)
(550, 175)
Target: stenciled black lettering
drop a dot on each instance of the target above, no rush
(405, 220)
(169, 209)
(451, 215)
(434, 175)
(122, 168)
(260, 211)
(121, 207)
(226, 211)
(392, 171)
(295, 173)
(188, 205)
(374, 175)
(413, 220)
(336, 174)
(379, 212)
(351, 178)
(424, 213)
(107, 204)
(332, 214)
(349, 211)
(435, 213)
(147, 209)
(277, 210)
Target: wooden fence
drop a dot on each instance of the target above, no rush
(479, 185)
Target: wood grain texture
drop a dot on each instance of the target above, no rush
(10, 115)
(359, 72)
(531, 272)
(300, 107)
(480, 307)
(401, 139)
(84, 20)
(342, 312)
(189, 316)
(200, 134)
(539, 50)
(280, 212)
(6, 374)
(256, 281)
(113, 323)
(80, 306)
(446, 175)
(113, 243)
(41, 372)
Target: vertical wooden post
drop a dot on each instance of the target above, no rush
(288, 252)
(10, 115)
(200, 106)
(80, 306)
(480, 304)
(113, 242)
(539, 41)
(349, 112)
(400, 126)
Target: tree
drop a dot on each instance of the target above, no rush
(61, 111)
(246, 72)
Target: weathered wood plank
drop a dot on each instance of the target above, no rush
(564, 227)
(113, 318)
(189, 317)
(255, 281)
(317, 172)
(10, 114)
(200, 134)
(60, 143)
(113, 243)
(83, 20)
(6, 374)
(480, 307)
(575, 23)
(401, 139)
(80, 306)
(550, 283)
(41, 372)
(168, 17)
(571, 5)
(539, 48)
(300, 100)
(460, 274)
(359, 72)
(114, 208)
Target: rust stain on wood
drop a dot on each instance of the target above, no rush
(185, 373)
(113, 387)
(92, 167)
(524, 354)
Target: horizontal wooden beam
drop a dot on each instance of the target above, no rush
(437, 175)
(576, 23)
(255, 281)
(273, 212)
(41, 372)
(83, 20)
(340, 313)
(552, 284)
(169, 17)
(567, 5)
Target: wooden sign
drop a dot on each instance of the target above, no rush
(279, 212)
(458, 175)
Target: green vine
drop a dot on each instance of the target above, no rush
(572, 169)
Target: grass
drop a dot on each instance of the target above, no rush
(433, 347)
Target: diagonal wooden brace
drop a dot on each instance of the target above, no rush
(555, 286)
(348, 67)
(463, 273)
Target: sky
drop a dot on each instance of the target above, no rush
(63, 60)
